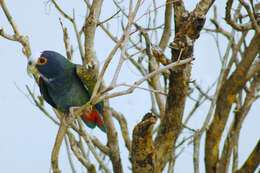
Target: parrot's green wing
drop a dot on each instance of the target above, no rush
(45, 93)
(87, 76)
(89, 79)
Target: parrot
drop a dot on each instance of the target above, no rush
(65, 85)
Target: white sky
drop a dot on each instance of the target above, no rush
(27, 136)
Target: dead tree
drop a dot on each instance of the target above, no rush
(153, 148)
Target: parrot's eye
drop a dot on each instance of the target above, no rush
(42, 61)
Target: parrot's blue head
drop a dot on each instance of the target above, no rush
(52, 64)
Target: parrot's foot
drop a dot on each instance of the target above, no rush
(73, 110)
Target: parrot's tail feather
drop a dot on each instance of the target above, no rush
(93, 119)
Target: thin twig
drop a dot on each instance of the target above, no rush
(153, 65)
(40, 106)
(131, 17)
(146, 89)
(59, 138)
(24, 40)
(202, 92)
(101, 23)
(90, 26)
(232, 22)
(61, 11)
(78, 37)
(73, 143)
(123, 125)
(130, 90)
(8, 37)
(167, 25)
(94, 140)
(9, 17)
(251, 16)
(221, 79)
(69, 156)
(66, 40)
(107, 62)
(92, 149)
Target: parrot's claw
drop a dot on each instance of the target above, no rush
(73, 110)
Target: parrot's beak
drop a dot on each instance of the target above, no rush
(31, 68)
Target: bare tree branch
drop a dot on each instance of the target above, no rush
(251, 16)
(66, 41)
(241, 27)
(59, 138)
(69, 156)
(41, 107)
(168, 79)
(224, 102)
(61, 11)
(131, 17)
(182, 47)
(172, 66)
(252, 162)
(90, 167)
(123, 124)
(17, 36)
(91, 148)
(167, 25)
(153, 66)
(203, 7)
(114, 153)
(90, 31)
(240, 114)
(72, 20)
(143, 155)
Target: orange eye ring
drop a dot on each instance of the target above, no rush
(42, 61)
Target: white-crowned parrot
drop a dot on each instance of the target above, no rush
(65, 85)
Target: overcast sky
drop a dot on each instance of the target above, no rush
(27, 135)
